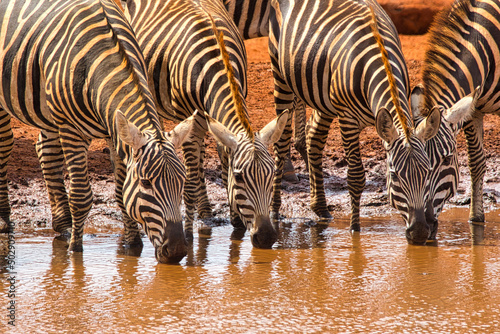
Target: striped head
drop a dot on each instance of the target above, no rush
(408, 166)
(442, 149)
(250, 175)
(154, 182)
(408, 170)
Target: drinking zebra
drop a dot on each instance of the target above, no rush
(196, 60)
(344, 59)
(74, 70)
(252, 19)
(461, 72)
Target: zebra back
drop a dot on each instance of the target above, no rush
(250, 16)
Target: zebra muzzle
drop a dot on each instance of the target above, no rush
(174, 249)
(263, 234)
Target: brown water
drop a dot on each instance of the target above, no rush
(317, 279)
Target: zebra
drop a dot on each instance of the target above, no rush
(344, 59)
(442, 151)
(196, 60)
(251, 17)
(74, 70)
(460, 72)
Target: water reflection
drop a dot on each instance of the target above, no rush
(318, 278)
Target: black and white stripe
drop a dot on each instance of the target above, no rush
(74, 70)
(344, 59)
(185, 44)
(461, 76)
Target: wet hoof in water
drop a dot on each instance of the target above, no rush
(76, 247)
(238, 234)
(133, 243)
(238, 223)
(188, 234)
(324, 217)
(204, 229)
(355, 227)
(129, 250)
(63, 239)
(477, 232)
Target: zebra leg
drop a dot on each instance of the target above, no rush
(239, 227)
(204, 206)
(301, 128)
(75, 150)
(50, 154)
(281, 149)
(316, 139)
(191, 150)
(356, 172)
(477, 166)
(6, 144)
(131, 234)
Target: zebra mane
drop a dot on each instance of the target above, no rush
(443, 33)
(390, 75)
(238, 103)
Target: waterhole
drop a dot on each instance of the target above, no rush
(316, 279)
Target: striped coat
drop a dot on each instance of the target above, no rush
(461, 75)
(74, 70)
(196, 60)
(344, 59)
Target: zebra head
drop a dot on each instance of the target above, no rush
(152, 191)
(408, 169)
(442, 149)
(250, 176)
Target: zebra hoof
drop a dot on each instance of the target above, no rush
(324, 215)
(205, 229)
(355, 227)
(238, 223)
(238, 234)
(63, 239)
(189, 236)
(76, 247)
(290, 177)
(134, 242)
(130, 250)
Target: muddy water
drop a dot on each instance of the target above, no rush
(316, 279)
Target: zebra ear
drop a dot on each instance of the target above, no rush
(463, 109)
(430, 126)
(221, 133)
(417, 100)
(273, 130)
(385, 126)
(181, 132)
(128, 132)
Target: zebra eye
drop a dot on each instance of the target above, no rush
(394, 176)
(146, 184)
(238, 177)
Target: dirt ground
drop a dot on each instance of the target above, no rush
(30, 207)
